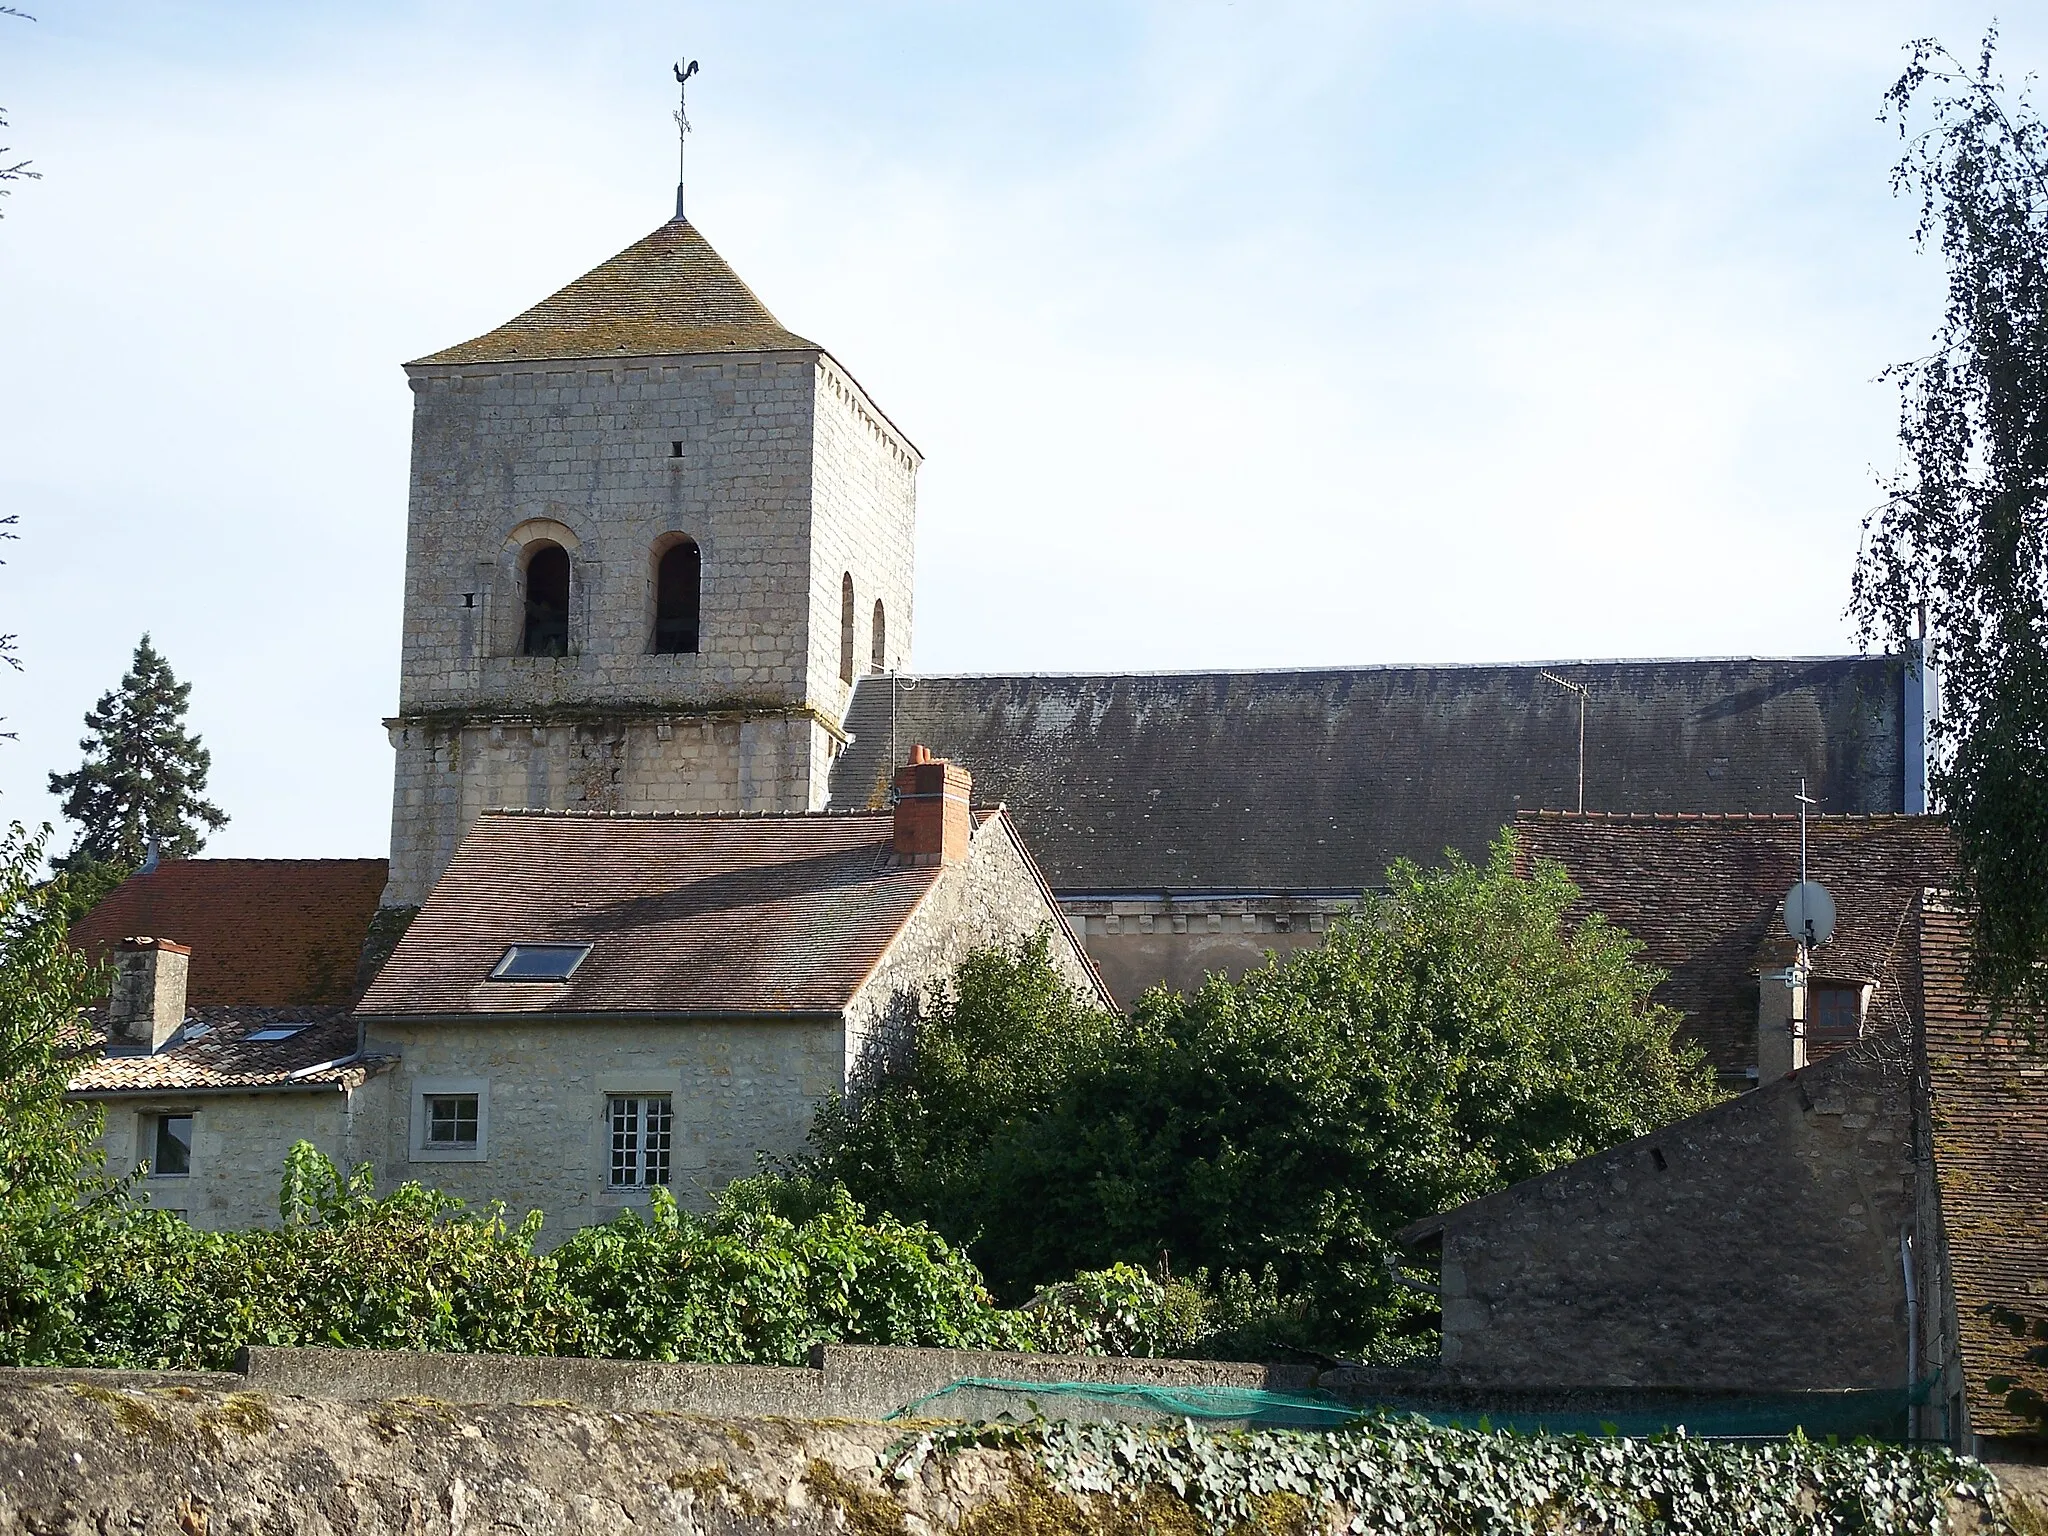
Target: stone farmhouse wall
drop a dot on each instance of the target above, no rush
(775, 464)
(239, 1142)
(1755, 1246)
(993, 898)
(737, 1087)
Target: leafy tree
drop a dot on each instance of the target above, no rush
(1454, 1037)
(143, 778)
(52, 1191)
(1962, 535)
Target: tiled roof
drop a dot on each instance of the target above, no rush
(1317, 780)
(1705, 893)
(212, 1053)
(263, 932)
(670, 293)
(1989, 1099)
(684, 914)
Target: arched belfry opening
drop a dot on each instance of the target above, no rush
(678, 598)
(846, 628)
(546, 632)
(878, 649)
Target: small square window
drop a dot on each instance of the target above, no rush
(171, 1154)
(539, 962)
(451, 1122)
(273, 1032)
(1837, 1014)
(642, 1127)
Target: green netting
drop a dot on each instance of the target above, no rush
(1879, 1414)
(1060, 1399)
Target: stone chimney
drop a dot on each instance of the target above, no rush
(148, 1001)
(1781, 1012)
(932, 819)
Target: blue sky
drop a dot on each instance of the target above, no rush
(1234, 334)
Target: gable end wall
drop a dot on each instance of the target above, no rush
(1763, 1255)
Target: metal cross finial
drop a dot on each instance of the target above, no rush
(1804, 800)
(682, 115)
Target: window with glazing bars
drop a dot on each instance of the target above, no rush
(641, 1127)
(451, 1121)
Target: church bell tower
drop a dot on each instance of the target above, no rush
(653, 538)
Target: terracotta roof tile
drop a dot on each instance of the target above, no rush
(1988, 1095)
(684, 914)
(670, 293)
(1704, 894)
(263, 932)
(212, 1053)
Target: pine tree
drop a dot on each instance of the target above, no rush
(143, 777)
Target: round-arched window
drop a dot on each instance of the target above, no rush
(546, 632)
(678, 595)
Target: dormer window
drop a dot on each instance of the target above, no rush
(539, 962)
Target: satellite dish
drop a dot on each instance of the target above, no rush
(1810, 912)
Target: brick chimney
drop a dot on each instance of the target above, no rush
(148, 1001)
(932, 820)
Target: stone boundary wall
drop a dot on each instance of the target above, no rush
(841, 1382)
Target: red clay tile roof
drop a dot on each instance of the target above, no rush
(213, 1054)
(1989, 1099)
(1704, 892)
(670, 293)
(714, 915)
(265, 933)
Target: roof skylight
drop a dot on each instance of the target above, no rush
(539, 962)
(274, 1032)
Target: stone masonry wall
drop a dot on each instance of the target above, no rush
(1753, 1246)
(737, 1087)
(239, 1142)
(720, 763)
(1139, 942)
(991, 897)
(864, 524)
(584, 453)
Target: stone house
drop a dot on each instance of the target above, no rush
(242, 1020)
(1877, 1219)
(587, 1007)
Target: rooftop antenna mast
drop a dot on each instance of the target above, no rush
(1580, 690)
(683, 73)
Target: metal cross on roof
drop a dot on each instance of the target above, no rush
(682, 115)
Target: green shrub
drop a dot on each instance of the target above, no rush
(1460, 1033)
(412, 1270)
(750, 1283)
(777, 1266)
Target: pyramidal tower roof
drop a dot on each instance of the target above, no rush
(667, 294)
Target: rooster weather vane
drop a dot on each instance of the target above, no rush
(682, 114)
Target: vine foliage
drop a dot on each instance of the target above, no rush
(1403, 1474)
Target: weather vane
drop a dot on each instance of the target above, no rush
(683, 73)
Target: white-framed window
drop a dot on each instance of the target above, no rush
(640, 1129)
(167, 1145)
(451, 1119)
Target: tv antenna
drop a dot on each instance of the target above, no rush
(1809, 909)
(1580, 690)
(682, 114)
